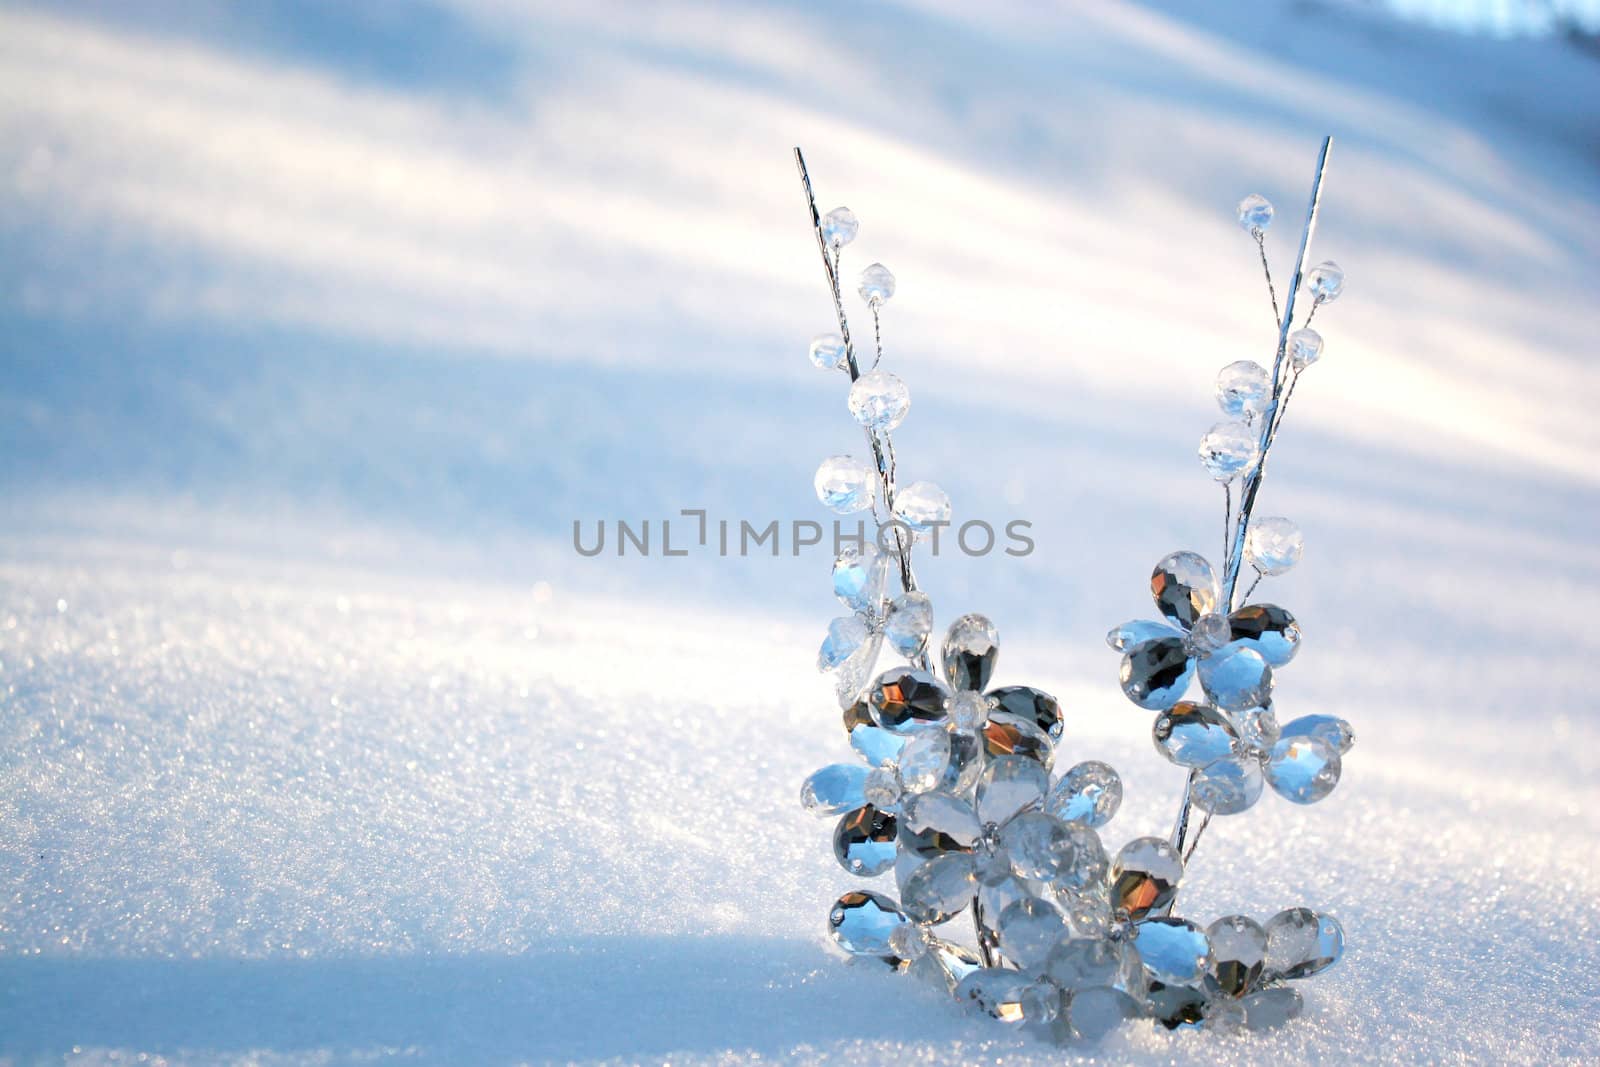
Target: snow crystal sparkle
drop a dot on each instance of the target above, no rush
(955, 798)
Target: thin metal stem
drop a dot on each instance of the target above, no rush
(877, 335)
(1261, 246)
(1227, 515)
(1246, 598)
(1194, 843)
(1315, 304)
(985, 953)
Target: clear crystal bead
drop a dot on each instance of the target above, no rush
(1255, 214)
(827, 351)
(1267, 1009)
(1274, 545)
(1097, 1011)
(1325, 282)
(1225, 1017)
(1174, 951)
(922, 506)
(1210, 633)
(1156, 673)
(1034, 705)
(1303, 769)
(966, 762)
(1145, 876)
(1176, 1006)
(876, 745)
(839, 227)
(1041, 1002)
(1304, 348)
(938, 822)
(844, 484)
(1228, 449)
(1088, 909)
(850, 677)
(1332, 729)
(969, 711)
(1137, 632)
(859, 575)
(1236, 678)
(1229, 785)
(882, 789)
(1243, 389)
(862, 922)
(952, 962)
(835, 789)
(1009, 735)
(905, 699)
(940, 889)
(1257, 728)
(924, 760)
(846, 635)
(1268, 630)
(1040, 846)
(995, 992)
(1185, 588)
(1083, 963)
(1090, 793)
(971, 646)
(1008, 785)
(879, 400)
(1238, 954)
(1029, 929)
(909, 622)
(864, 841)
(1300, 943)
(877, 284)
(1193, 735)
(909, 941)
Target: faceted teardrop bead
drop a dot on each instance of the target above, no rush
(876, 745)
(910, 942)
(1097, 1011)
(1089, 908)
(1008, 735)
(954, 962)
(862, 922)
(839, 227)
(859, 574)
(924, 760)
(966, 763)
(879, 400)
(1255, 214)
(905, 699)
(1029, 929)
(1145, 876)
(908, 623)
(1193, 735)
(850, 677)
(883, 790)
(1267, 1009)
(1174, 951)
(1303, 769)
(971, 647)
(1325, 282)
(1257, 729)
(1268, 630)
(1243, 389)
(1010, 784)
(844, 484)
(940, 889)
(1304, 347)
(827, 351)
(1224, 1017)
(1228, 449)
(1300, 943)
(1137, 632)
(1084, 962)
(1332, 729)
(864, 841)
(846, 635)
(1236, 677)
(938, 822)
(1040, 846)
(1089, 794)
(1176, 1006)
(1238, 954)
(1156, 673)
(1274, 545)
(1185, 587)
(877, 284)
(922, 506)
(1229, 785)
(995, 992)
(834, 790)
(1032, 704)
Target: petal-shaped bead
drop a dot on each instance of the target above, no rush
(1156, 673)
(1097, 1011)
(908, 623)
(1185, 587)
(1035, 705)
(1238, 954)
(1303, 769)
(1084, 962)
(862, 922)
(949, 963)
(1301, 942)
(1010, 784)
(1267, 1009)
(1332, 729)
(971, 647)
(1009, 735)
(1175, 951)
(834, 790)
(845, 637)
(1229, 785)
(1145, 876)
(1137, 632)
(924, 760)
(1268, 630)
(1236, 678)
(1193, 735)
(859, 575)
(876, 745)
(939, 889)
(938, 822)
(904, 699)
(864, 841)
(1029, 929)
(995, 992)
(850, 677)
(1090, 793)
(966, 763)
(1044, 848)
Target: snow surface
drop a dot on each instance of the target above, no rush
(322, 323)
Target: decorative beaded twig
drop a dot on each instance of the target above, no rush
(954, 796)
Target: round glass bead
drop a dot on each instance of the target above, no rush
(1236, 678)
(862, 923)
(1238, 954)
(1300, 943)
(1325, 282)
(909, 941)
(1267, 630)
(1229, 785)
(1090, 793)
(839, 227)
(909, 622)
(1257, 728)
(1155, 673)
(940, 888)
(827, 351)
(1145, 876)
(877, 284)
(922, 506)
(969, 710)
(1274, 545)
(882, 789)
(1242, 389)
(1210, 633)
(1303, 769)
(1255, 214)
(844, 484)
(879, 400)
(1008, 785)
(995, 992)
(1029, 929)
(1305, 348)
(1228, 449)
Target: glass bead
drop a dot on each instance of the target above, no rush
(1303, 769)
(1225, 1017)
(876, 745)
(1083, 962)
(862, 922)
(1228, 449)
(1193, 735)
(1090, 794)
(839, 227)
(1268, 630)
(1008, 785)
(966, 763)
(1235, 678)
(1176, 1006)
(1145, 876)
(1041, 1003)
(995, 992)
(1210, 633)
(1255, 214)
(1097, 1011)
(940, 889)
(1257, 728)
(864, 841)
(908, 623)
(922, 506)
(971, 646)
(1088, 910)
(1301, 943)
(1267, 1009)
(877, 284)
(850, 677)
(846, 635)
(924, 760)
(1332, 729)
(828, 351)
(1185, 588)
(1156, 673)
(1274, 545)
(835, 789)
(1243, 389)
(1304, 348)
(1040, 846)
(909, 941)
(904, 699)
(859, 574)
(844, 484)
(1174, 951)
(968, 711)
(1325, 282)
(952, 962)
(1238, 954)
(882, 789)
(1137, 632)
(879, 400)
(1229, 785)
(1029, 929)
(938, 822)
(1010, 735)
(1034, 705)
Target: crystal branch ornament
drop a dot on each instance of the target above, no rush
(952, 807)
